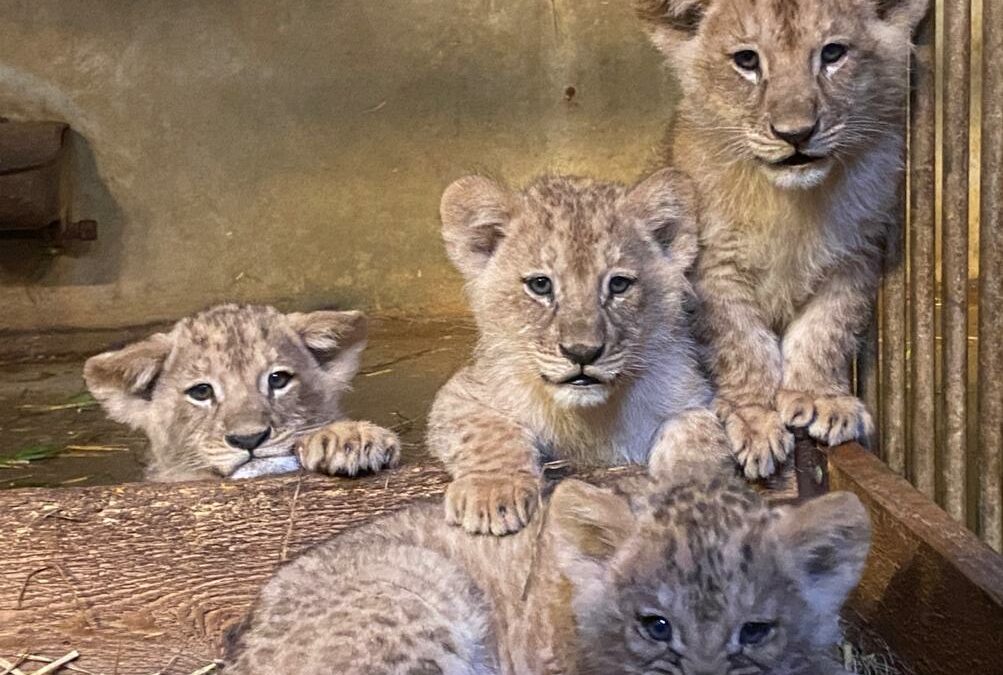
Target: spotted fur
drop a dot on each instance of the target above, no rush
(790, 248)
(234, 350)
(409, 594)
(497, 418)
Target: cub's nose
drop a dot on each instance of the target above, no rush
(582, 354)
(796, 135)
(248, 441)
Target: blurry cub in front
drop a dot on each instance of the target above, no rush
(242, 391)
(639, 579)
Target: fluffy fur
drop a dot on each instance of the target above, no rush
(242, 391)
(639, 396)
(743, 588)
(797, 163)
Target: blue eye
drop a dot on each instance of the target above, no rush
(833, 52)
(746, 59)
(658, 628)
(754, 633)
(541, 285)
(619, 285)
(279, 380)
(200, 392)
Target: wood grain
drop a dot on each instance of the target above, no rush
(931, 589)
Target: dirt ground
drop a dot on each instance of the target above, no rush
(53, 433)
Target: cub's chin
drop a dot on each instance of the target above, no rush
(580, 396)
(795, 175)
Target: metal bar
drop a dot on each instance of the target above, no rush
(893, 367)
(922, 273)
(990, 348)
(953, 210)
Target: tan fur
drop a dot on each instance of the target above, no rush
(498, 418)
(248, 426)
(790, 255)
(572, 596)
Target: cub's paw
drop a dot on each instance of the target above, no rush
(349, 448)
(829, 419)
(492, 505)
(759, 439)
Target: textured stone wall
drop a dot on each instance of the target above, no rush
(294, 152)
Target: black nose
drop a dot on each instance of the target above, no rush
(796, 136)
(582, 355)
(248, 441)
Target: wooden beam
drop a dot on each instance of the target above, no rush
(931, 589)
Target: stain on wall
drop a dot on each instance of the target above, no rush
(293, 151)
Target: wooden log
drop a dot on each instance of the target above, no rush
(149, 576)
(146, 578)
(931, 589)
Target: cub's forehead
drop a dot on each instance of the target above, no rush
(784, 23)
(231, 337)
(563, 216)
(721, 530)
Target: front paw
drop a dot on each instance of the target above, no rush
(829, 419)
(349, 448)
(759, 439)
(492, 505)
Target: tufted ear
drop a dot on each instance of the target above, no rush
(907, 13)
(336, 340)
(590, 523)
(824, 545)
(475, 212)
(664, 207)
(122, 379)
(672, 19)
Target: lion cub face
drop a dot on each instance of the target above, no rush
(230, 384)
(572, 281)
(791, 87)
(710, 580)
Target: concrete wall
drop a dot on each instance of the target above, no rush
(293, 151)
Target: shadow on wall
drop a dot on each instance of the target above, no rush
(32, 261)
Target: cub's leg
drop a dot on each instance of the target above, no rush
(817, 349)
(492, 459)
(692, 442)
(348, 448)
(745, 360)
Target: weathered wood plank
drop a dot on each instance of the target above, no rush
(931, 589)
(145, 574)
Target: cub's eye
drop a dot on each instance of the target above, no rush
(755, 633)
(541, 285)
(746, 59)
(200, 393)
(833, 52)
(279, 380)
(619, 285)
(658, 628)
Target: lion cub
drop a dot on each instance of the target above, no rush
(578, 289)
(791, 125)
(234, 390)
(637, 579)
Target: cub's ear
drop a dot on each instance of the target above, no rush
(906, 13)
(824, 545)
(122, 380)
(475, 212)
(336, 340)
(672, 19)
(590, 524)
(664, 207)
